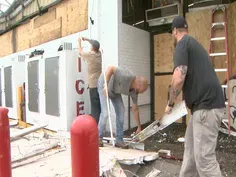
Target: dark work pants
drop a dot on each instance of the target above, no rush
(95, 103)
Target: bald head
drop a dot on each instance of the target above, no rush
(141, 84)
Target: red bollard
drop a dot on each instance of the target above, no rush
(84, 147)
(5, 147)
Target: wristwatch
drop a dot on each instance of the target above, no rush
(171, 105)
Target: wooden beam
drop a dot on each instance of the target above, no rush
(36, 153)
(25, 131)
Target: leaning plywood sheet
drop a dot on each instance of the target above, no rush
(161, 95)
(232, 36)
(199, 23)
(163, 52)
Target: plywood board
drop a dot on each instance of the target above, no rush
(66, 18)
(46, 33)
(74, 16)
(45, 18)
(232, 36)
(163, 53)
(23, 36)
(6, 44)
(200, 28)
(161, 95)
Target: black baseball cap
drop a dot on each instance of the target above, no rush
(178, 22)
(95, 44)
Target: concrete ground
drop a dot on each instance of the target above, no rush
(57, 162)
(168, 168)
(225, 151)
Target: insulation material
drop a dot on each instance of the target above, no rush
(127, 156)
(115, 171)
(177, 112)
(161, 95)
(163, 53)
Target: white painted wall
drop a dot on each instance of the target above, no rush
(68, 76)
(134, 54)
(123, 46)
(17, 79)
(105, 28)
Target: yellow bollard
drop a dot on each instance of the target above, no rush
(19, 102)
(19, 107)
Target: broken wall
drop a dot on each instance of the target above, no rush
(66, 18)
(163, 67)
(135, 56)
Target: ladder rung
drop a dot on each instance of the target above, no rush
(217, 38)
(217, 54)
(221, 70)
(219, 8)
(224, 86)
(218, 24)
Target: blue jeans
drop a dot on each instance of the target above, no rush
(118, 104)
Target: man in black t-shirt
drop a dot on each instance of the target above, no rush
(196, 77)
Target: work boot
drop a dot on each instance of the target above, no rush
(121, 145)
(100, 142)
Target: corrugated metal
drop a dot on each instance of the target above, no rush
(2, 26)
(18, 17)
(31, 7)
(45, 2)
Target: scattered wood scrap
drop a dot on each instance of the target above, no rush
(25, 131)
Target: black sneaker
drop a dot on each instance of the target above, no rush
(122, 145)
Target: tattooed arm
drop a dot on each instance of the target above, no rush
(177, 83)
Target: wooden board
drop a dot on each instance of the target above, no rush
(66, 18)
(23, 36)
(45, 18)
(200, 28)
(46, 33)
(74, 16)
(163, 53)
(6, 44)
(161, 95)
(232, 36)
